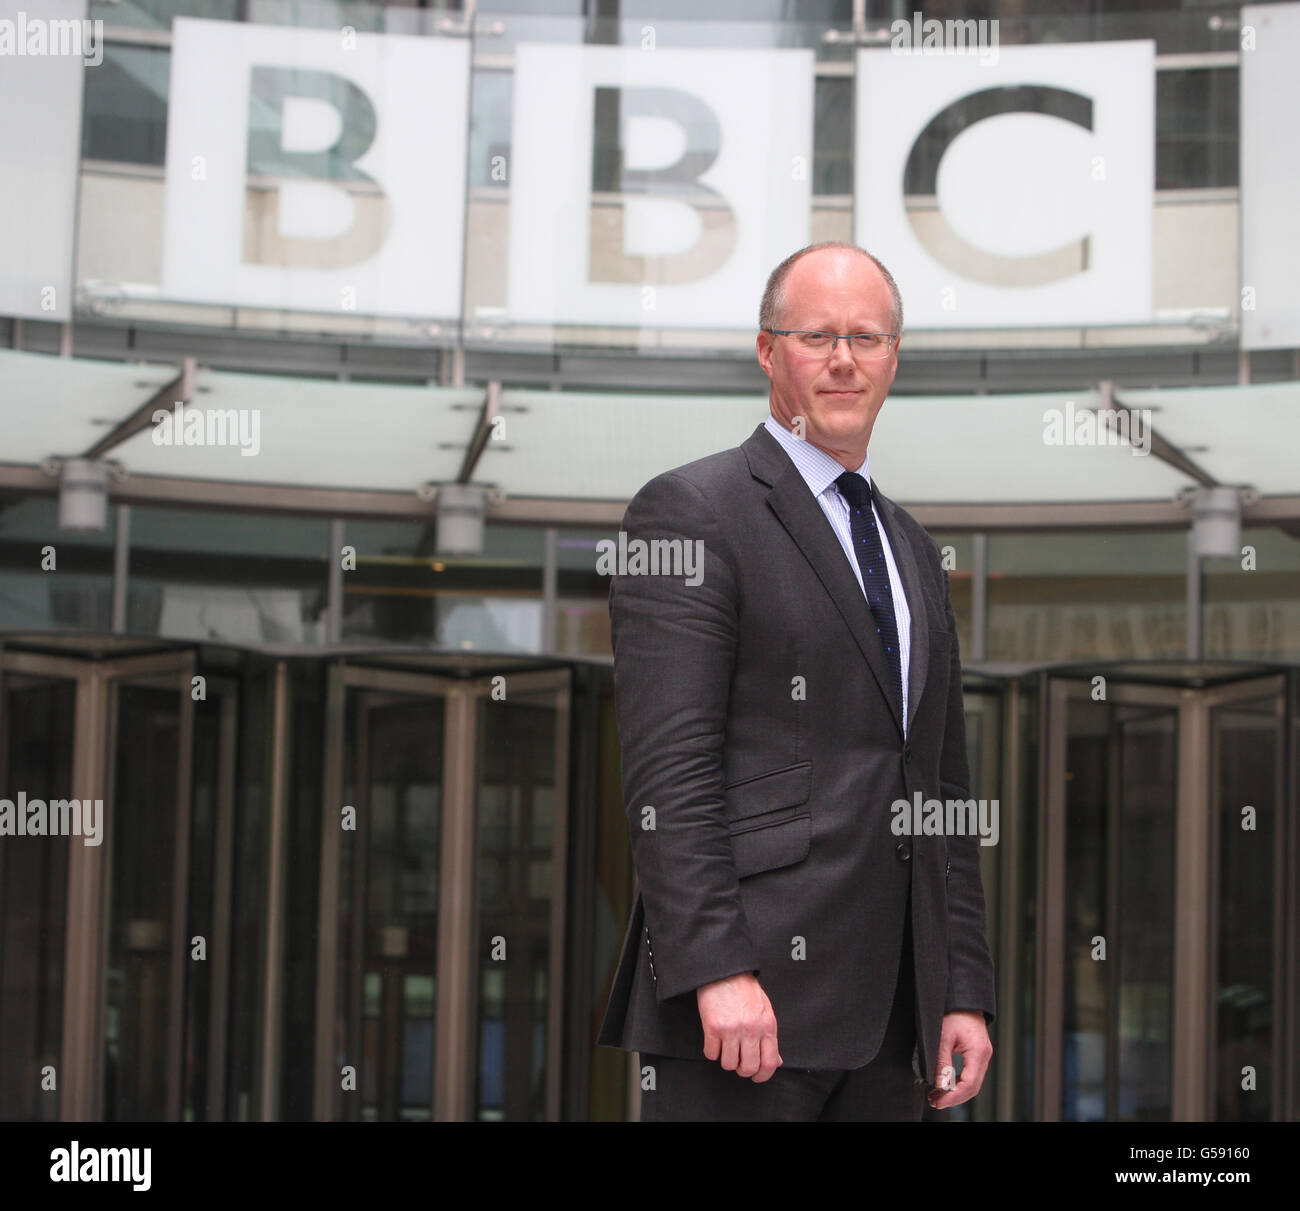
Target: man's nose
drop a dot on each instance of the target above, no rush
(842, 354)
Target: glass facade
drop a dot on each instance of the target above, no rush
(1080, 597)
(126, 110)
(396, 891)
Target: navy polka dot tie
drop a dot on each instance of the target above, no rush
(870, 553)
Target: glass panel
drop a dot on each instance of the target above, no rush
(1121, 796)
(125, 113)
(147, 743)
(403, 591)
(241, 578)
(958, 551)
(1245, 744)
(391, 927)
(833, 136)
(1087, 771)
(1255, 614)
(582, 605)
(516, 822)
(36, 756)
(302, 892)
(76, 591)
(1197, 118)
(1142, 945)
(248, 909)
(1059, 597)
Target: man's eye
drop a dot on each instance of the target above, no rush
(868, 340)
(815, 340)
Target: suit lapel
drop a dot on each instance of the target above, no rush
(802, 517)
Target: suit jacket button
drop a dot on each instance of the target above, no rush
(904, 851)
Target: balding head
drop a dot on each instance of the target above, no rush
(837, 255)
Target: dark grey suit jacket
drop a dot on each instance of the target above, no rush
(753, 720)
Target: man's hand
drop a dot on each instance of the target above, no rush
(963, 1033)
(739, 1026)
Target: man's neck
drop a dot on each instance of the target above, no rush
(850, 460)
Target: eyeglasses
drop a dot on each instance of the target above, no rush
(863, 345)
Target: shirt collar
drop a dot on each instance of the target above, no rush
(819, 469)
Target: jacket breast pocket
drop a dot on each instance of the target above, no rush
(769, 824)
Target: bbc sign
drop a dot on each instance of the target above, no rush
(653, 188)
(317, 171)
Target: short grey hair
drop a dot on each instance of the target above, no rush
(774, 294)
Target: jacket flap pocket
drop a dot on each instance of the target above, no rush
(787, 787)
(772, 845)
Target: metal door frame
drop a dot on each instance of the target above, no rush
(226, 691)
(455, 965)
(1194, 893)
(90, 867)
(1243, 691)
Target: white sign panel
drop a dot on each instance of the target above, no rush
(655, 188)
(1032, 182)
(319, 171)
(44, 48)
(1270, 177)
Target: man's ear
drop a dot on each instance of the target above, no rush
(763, 347)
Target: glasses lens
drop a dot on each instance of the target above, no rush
(814, 342)
(870, 344)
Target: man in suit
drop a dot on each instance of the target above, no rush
(792, 954)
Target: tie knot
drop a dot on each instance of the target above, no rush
(856, 490)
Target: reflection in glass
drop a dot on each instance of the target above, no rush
(1245, 740)
(1144, 924)
(516, 819)
(143, 836)
(391, 937)
(36, 749)
(1087, 596)
(1084, 1087)
(1121, 797)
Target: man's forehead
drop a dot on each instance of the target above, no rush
(835, 271)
